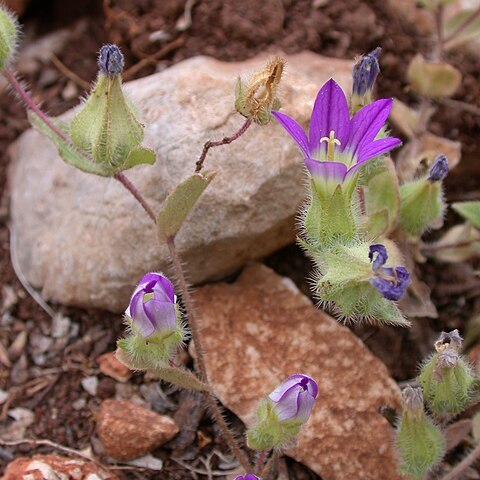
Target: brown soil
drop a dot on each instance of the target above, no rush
(228, 30)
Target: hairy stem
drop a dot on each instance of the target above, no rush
(267, 470)
(224, 141)
(464, 464)
(200, 360)
(121, 177)
(260, 462)
(30, 104)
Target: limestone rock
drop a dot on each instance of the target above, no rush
(129, 431)
(41, 467)
(260, 330)
(86, 242)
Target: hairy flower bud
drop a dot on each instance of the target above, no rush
(421, 200)
(439, 169)
(110, 60)
(419, 442)
(446, 377)
(8, 36)
(257, 98)
(365, 72)
(283, 412)
(154, 321)
(106, 127)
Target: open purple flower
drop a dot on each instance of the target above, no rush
(390, 282)
(294, 398)
(336, 145)
(152, 306)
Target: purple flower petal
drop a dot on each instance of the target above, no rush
(295, 130)
(330, 112)
(366, 124)
(328, 170)
(163, 315)
(392, 289)
(376, 148)
(305, 404)
(381, 257)
(142, 321)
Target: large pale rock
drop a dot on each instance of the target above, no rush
(262, 329)
(85, 241)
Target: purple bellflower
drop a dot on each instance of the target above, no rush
(248, 476)
(294, 398)
(152, 306)
(337, 146)
(390, 282)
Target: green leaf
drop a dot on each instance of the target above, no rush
(67, 150)
(433, 80)
(138, 156)
(469, 210)
(179, 203)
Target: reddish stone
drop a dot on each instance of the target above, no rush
(129, 431)
(41, 467)
(260, 330)
(110, 366)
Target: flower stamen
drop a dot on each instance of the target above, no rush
(331, 142)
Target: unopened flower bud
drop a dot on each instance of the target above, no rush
(248, 476)
(365, 72)
(421, 200)
(439, 169)
(106, 127)
(154, 321)
(283, 412)
(110, 60)
(257, 98)
(419, 442)
(8, 36)
(446, 377)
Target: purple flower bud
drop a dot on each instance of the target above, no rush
(365, 72)
(391, 282)
(152, 306)
(294, 398)
(248, 476)
(381, 258)
(439, 169)
(110, 60)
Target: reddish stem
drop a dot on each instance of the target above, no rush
(224, 141)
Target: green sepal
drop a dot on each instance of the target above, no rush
(375, 225)
(178, 204)
(107, 128)
(421, 205)
(451, 392)
(382, 193)
(420, 444)
(469, 210)
(8, 36)
(268, 432)
(69, 152)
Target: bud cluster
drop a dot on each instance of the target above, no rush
(446, 384)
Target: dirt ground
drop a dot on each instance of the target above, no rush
(228, 30)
